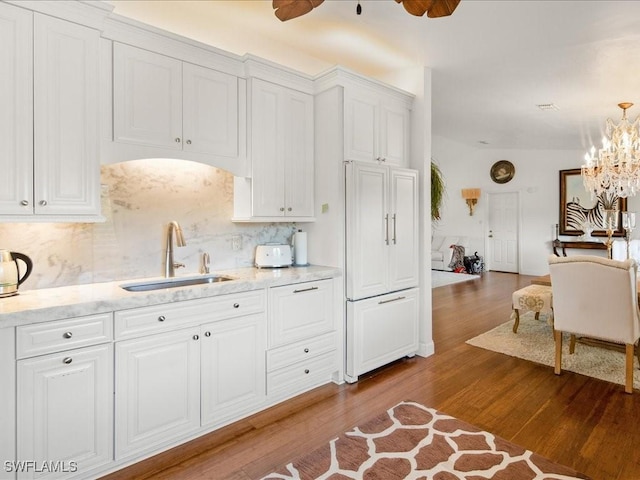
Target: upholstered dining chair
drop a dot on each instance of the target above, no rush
(597, 298)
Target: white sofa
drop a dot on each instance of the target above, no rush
(441, 250)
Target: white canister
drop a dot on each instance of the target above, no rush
(299, 244)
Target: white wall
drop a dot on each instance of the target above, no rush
(536, 180)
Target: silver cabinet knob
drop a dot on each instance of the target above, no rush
(306, 370)
(289, 209)
(161, 318)
(282, 209)
(207, 334)
(24, 203)
(306, 350)
(177, 139)
(67, 334)
(196, 337)
(67, 360)
(188, 142)
(236, 305)
(43, 202)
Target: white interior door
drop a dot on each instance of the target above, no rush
(502, 232)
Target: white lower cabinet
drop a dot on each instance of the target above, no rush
(172, 384)
(302, 338)
(233, 365)
(380, 330)
(157, 390)
(65, 412)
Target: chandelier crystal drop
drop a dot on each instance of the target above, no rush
(615, 168)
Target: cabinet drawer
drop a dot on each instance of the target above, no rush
(300, 351)
(299, 311)
(59, 335)
(170, 316)
(301, 376)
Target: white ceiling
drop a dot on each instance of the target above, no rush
(492, 61)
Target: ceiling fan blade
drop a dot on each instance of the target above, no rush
(433, 8)
(442, 8)
(416, 7)
(288, 9)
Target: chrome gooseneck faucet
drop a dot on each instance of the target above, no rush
(169, 264)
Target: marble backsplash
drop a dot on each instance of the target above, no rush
(139, 199)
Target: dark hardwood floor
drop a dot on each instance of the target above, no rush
(584, 423)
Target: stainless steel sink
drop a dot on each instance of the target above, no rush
(173, 283)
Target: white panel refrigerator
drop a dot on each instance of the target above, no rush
(381, 265)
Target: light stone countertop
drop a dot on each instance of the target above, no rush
(41, 305)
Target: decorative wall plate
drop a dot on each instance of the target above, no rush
(502, 171)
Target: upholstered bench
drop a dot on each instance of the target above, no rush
(533, 298)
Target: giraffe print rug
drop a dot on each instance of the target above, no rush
(411, 441)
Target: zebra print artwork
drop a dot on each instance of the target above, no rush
(577, 215)
(578, 208)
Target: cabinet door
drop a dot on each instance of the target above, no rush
(66, 162)
(147, 98)
(403, 244)
(298, 148)
(267, 149)
(16, 120)
(368, 230)
(157, 390)
(394, 133)
(380, 330)
(233, 368)
(361, 126)
(210, 111)
(65, 409)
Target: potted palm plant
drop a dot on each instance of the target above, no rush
(437, 191)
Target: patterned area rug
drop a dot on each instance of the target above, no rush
(534, 342)
(411, 441)
(440, 278)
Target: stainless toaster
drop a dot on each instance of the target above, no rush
(273, 255)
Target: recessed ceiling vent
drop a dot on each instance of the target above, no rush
(548, 106)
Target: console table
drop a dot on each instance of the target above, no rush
(580, 245)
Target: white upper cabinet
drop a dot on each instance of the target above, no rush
(176, 106)
(282, 167)
(376, 127)
(147, 98)
(16, 120)
(49, 123)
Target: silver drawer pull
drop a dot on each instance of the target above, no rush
(67, 334)
(392, 300)
(67, 360)
(161, 318)
(305, 290)
(306, 350)
(306, 370)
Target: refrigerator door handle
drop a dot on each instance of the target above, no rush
(386, 229)
(391, 300)
(394, 229)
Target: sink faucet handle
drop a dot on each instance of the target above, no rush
(205, 263)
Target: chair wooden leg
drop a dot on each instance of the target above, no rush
(517, 322)
(628, 387)
(558, 339)
(572, 344)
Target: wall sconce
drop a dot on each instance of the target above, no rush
(471, 196)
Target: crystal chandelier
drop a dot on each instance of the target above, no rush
(616, 167)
